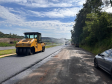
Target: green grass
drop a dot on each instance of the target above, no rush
(50, 43)
(2, 44)
(4, 52)
(50, 46)
(99, 47)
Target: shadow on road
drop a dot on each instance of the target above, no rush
(82, 64)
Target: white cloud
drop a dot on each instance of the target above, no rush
(51, 28)
(43, 25)
(18, 1)
(57, 13)
(81, 2)
(16, 19)
(109, 10)
(12, 20)
(8, 16)
(46, 3)
(52, 25)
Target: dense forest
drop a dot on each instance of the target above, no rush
(93, 27)
(2, 35)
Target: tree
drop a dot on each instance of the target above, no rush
(91, 6)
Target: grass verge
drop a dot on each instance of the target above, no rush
(50, 46)
(99, 47)
(5, 44)
(4, 52)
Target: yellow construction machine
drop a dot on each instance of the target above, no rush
(30, 44)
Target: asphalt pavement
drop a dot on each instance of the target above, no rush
(9, 66)
(6, 48)
(70, 66)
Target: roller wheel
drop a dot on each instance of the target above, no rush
(30, 51)
(25, 51)
(17, 51)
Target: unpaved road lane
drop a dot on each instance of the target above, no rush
(70, 66)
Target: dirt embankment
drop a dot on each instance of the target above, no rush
(9, 40)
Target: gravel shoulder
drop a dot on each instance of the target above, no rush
(70, 66)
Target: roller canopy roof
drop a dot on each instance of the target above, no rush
(32, 33)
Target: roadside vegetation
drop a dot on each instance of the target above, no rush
(2, 35)
(93, 28)
(10, 51)
(5, 44)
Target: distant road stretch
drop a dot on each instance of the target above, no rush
(6, 48)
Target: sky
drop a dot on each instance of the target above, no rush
(52, 18)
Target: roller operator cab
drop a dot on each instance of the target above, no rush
(30, 44)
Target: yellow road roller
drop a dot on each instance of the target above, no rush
(30, 44)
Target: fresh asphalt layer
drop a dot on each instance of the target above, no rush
(6, 48)
(9, 66)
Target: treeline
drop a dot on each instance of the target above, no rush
(93, 27)
(2, 35)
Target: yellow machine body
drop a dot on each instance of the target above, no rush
(30, 44)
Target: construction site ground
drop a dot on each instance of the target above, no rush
(71, 66)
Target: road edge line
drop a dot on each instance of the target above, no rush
(2, 56)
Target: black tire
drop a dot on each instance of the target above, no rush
(27, 51)
(18, 52)
(31, 51)
(43, 48)
(96, 64)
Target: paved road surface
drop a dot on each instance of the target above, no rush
(6, 48)
(14, 64)
(70, 66)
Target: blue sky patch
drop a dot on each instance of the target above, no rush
(53, 18)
